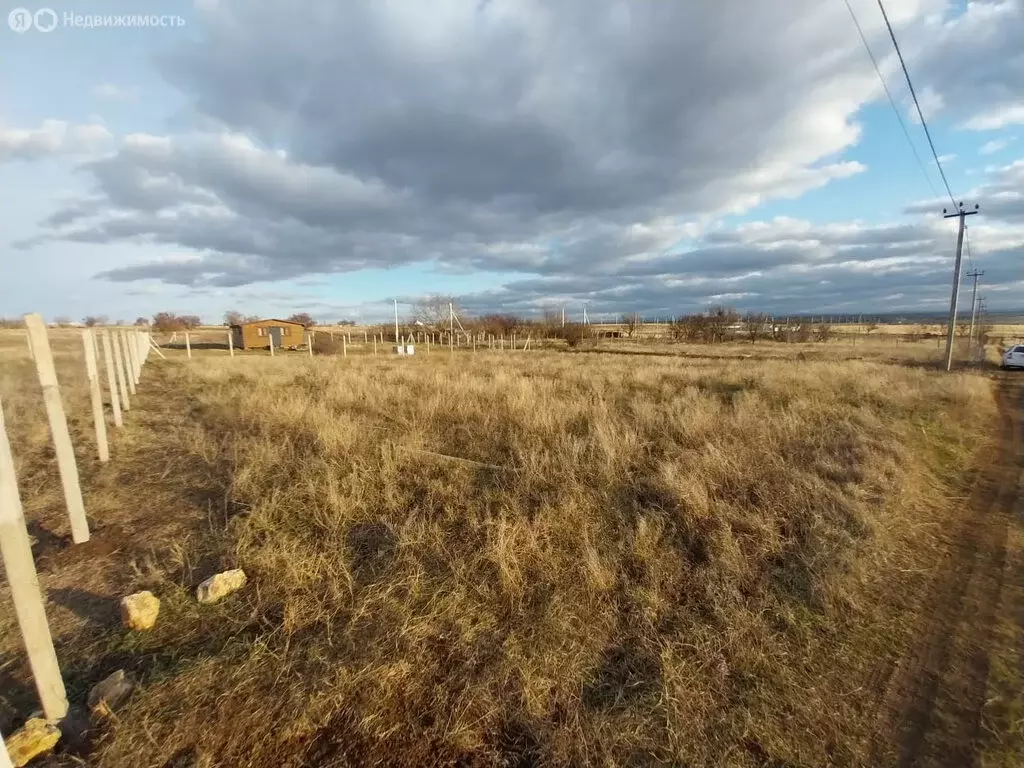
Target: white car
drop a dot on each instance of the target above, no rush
(1014, 357)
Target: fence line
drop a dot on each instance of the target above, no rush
(58, 428)
(126, 361)
(95, 395)
(108, 361)
(16, 550)
(119, 367)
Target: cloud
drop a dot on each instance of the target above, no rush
(111, 92)
(581, 146)
(1000, 117)
(513, 136)
(991, 147)
(52, 137)
(1000, 196)
(972, 63)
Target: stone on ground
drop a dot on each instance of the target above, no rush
(139, 611)
(221, 585)
(37, 737)
(107, 695)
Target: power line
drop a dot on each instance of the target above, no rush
(917, 104)
(892, 101)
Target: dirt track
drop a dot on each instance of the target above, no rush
(935, 703)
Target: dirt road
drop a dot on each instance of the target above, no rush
(954, 699)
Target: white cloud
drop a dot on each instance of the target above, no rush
(112, 92)
(991, 147)
(1000, 117)
(52, 137)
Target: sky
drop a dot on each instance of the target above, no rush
(519, 155)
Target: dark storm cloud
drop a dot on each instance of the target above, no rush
(586, 143)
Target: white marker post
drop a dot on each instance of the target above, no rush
(188, 346)
(120, 369)
(108, 361)
(96, 394)
(133, 356)
(16, 550)
(231, 343)
(66, 465)
(137, 349)
(126, 361)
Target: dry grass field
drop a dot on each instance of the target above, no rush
(627, 555)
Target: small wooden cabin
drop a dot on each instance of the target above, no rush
(258, 333)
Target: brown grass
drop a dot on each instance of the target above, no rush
(519, 559)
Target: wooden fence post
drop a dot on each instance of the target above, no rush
(119, 368)
(16, 551)
(188, 346)
(96, 395)
(231, 343)
(310, 340)
(271, 337)
(375, 345)
(344, 347)
(115, 400)
(66, 465)
(126, 362)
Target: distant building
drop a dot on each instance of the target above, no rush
(258, 334)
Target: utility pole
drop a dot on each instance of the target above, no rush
(563, 317)
(585, 321)
(960, 214)
(974, 310)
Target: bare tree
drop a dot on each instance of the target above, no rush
(93, 320)
(720, 320)
(632, 321)
(304, 318)
(141, 322)
(433, 312)
(823, 332)
(755, 325)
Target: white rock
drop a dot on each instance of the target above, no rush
(139, 611)
(221, 585)
(35, 738)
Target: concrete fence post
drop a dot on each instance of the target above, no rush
(95, 395)
(188, 345)
(16, 551)
(126, 361)
(108, 361)
(133, 355)
(66, 465)
(5, 758)
(231, 343)
(119, 367)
